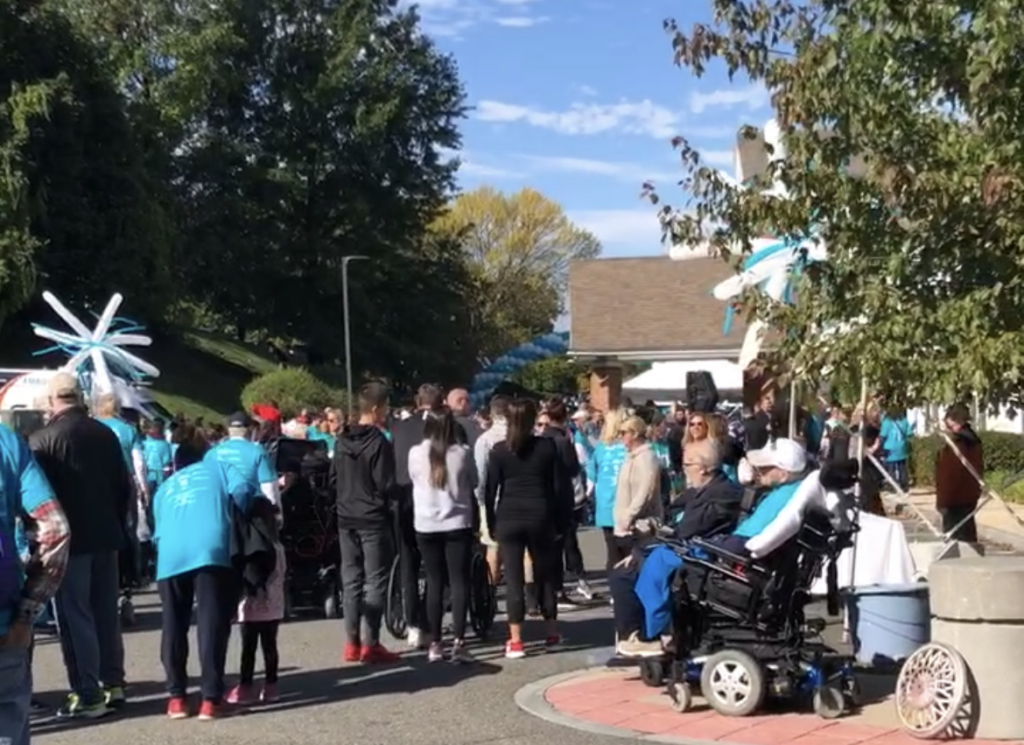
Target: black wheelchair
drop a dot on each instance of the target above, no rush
(740, 634)
(483, 598)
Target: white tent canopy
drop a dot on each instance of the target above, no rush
(666, 381)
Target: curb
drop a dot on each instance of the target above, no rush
(530, 698)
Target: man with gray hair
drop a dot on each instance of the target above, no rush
(84, 463)
(249, 457)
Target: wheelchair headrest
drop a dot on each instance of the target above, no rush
(839, 475)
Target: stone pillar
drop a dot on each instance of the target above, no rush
(606, 386)
(977, 608)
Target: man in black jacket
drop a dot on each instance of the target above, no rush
(84, 463)
(363, 474)
(711, 506)
(405, 435)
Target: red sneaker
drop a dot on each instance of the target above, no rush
(177, 708)
(552, 643)
(352, 652)
(514, 650)
(209, 710)
(378, 654)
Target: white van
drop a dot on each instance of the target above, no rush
(26, 389)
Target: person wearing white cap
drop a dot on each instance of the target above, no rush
(780, 465)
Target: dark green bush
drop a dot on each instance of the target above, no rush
(1004, 451)
(292, 388)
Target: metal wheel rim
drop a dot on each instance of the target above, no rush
(680, 695)
(931, 689)
(731, 683)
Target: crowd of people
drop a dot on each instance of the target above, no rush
(94, 505)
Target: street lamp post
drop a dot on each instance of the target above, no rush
(348, 327)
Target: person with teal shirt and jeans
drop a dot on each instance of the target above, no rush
(895, 433)
(602, 481)
(30, 573)
(247, 456)
(194, 515)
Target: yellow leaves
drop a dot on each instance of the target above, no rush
(523, 235)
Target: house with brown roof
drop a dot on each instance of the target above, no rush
(646, 309)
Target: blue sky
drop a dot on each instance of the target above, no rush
(579, 99)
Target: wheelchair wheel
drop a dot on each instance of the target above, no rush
(733, 683)
(483, 601)
(681, 696)
(394, 606)
(829, 702)
(652, 672)
(332, 602)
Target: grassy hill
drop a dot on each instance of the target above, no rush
(201, 374)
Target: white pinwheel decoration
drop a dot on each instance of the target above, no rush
(774, 262)
(98, 353)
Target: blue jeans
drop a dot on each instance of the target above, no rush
(898, 470)
(15, 696)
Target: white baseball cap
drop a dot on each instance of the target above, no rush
(788, 455)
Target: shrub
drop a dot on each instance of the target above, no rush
(292, 388)
(1004, 451)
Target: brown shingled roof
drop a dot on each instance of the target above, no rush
(651, 304)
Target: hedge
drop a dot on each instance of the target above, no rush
(1004, 451)
(292, 388)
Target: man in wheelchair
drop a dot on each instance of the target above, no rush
(642, 600)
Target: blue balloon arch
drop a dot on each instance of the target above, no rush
(541, 348)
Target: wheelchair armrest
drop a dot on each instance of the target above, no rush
(718, 552)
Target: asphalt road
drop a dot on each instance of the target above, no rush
(326, 702)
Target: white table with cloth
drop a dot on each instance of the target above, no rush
(881, 557)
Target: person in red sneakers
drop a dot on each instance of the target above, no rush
(363, 474)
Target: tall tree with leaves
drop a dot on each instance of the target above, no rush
(77, 206)
(518, 247)
(923, 290)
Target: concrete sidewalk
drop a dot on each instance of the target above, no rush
(995, 524)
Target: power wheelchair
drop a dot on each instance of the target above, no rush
(739, 631)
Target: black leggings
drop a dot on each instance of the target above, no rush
(447, 556)
(259, 634)
(514, 541)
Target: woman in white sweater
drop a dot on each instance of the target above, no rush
(444, 480)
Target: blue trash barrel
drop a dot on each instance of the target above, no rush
(888, 622)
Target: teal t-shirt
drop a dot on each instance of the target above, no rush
(193, 516)
(248, 457)
(128, 436)
(895, 436)
(159, 457)
(767, 510)
(23, 489)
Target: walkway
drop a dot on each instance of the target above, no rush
(614, 702)
(410, 703)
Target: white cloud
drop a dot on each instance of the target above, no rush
(719, 158)
(586, 90)
(633, 232)
(632, 117)
(631, 172)
(516, 2)
(520, 21)
(482, 170)
(753, 97)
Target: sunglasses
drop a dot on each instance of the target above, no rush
(695, 425)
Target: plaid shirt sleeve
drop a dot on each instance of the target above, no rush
(45, 566)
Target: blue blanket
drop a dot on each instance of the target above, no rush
(654, 589)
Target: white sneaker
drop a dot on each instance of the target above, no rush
(585, 590)
(414, 638)
(435, 653)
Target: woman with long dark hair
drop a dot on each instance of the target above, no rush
(527, 509)
(444, 480)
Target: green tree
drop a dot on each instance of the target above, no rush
(556, 375)
(518, 247)
(901, 124)
(293, 133)
(76, 202)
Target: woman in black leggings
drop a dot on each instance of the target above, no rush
(527, 510)
(444, 481)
